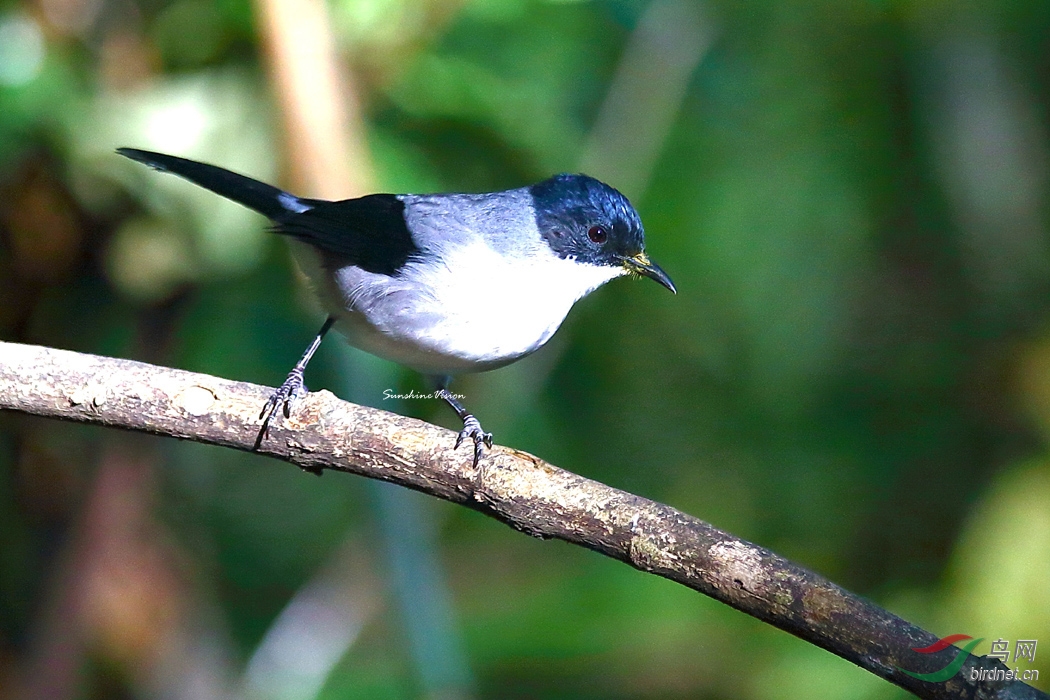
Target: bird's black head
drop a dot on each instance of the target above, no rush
(589, 221)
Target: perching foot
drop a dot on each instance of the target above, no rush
(285, 398)
(472, 431)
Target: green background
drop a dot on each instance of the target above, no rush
(852, 198)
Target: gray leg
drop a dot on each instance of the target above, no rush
(293, 388)
(471, 427)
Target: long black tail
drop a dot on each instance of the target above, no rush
(269, 201)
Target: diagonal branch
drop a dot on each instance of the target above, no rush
(516, 488)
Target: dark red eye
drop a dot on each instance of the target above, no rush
(598, 234)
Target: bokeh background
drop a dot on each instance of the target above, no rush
(852, 198)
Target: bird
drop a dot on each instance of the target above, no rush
(445, 284)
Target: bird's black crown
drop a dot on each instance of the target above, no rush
(584, 218)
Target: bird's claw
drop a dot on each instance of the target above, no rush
(285, 397)
(472, 431)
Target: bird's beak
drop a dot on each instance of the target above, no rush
(640, 264)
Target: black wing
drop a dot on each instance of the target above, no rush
(369, 232)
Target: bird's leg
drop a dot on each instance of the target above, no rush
(293, 387)
(471, 427)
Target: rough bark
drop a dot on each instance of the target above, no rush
(516, 488)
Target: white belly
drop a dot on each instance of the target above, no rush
(486, 314)
(495, 310)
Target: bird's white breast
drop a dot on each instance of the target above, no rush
(492, 310)
(462, 307)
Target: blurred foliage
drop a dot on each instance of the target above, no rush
(851, 197)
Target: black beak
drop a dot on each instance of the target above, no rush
(640, 264)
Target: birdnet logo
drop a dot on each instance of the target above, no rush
(1024, 649)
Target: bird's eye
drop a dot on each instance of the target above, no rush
(598, 234)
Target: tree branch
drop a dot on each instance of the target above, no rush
(514, 487)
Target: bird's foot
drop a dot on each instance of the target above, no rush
(472, 431)
(285, 398)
